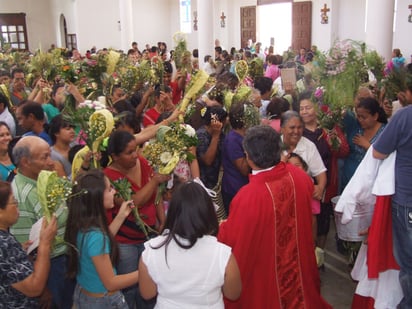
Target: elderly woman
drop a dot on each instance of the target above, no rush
(21, 280)
(128, 164)
(293, 140)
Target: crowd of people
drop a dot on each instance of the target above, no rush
(241, 225)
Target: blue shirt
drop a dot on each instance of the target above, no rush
(42, 135)
(90, 244)
(398, 136)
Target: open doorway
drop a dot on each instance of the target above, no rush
(274, 26)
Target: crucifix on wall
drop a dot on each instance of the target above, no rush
(222, 20)
(410, 15)
(195, 20)
(324, 19)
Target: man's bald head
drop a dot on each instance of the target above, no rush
(31, 154)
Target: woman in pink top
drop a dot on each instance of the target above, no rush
(272, 69)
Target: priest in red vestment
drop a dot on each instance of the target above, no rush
(269, 230)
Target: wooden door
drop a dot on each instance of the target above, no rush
(301, 25)
(247, 25)
(13, 31)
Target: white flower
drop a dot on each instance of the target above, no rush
(189, 131)
(165, 157)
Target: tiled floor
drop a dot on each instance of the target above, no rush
(337, 287)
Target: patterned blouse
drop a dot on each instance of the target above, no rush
(15, 266)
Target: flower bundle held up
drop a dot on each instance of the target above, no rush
(182, 55)
(193, 89)
(342, 71)
(52, 191)
(170, 145)
(95, 121)
(124, 191)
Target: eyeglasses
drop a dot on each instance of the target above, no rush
(13, 202)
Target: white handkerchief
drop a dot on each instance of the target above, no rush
(35, 235)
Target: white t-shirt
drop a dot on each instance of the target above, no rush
(191, 278)
(310, 154)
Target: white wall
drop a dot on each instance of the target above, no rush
(403, 30)
(95, 22)
(40, 29)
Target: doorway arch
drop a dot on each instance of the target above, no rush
(63, 31)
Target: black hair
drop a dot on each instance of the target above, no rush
(160, 88)
(262, 145)
(163, 116)
(168, 67)
(55, 88)
(5, 191)
(128, 119)
(277, 107)
(191, 216)
(303, 162)
(195, 53)
(56, 124)
(4, 100)
(87, 212)
(236, 114)
(263, 84)
(306, 95)
(373, 107)
(16, 70)
(31, 107)
(73, 150)
(218, 111)
(118, 142)
(124, 106)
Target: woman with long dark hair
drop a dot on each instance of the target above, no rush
(93, 251)
(186, 267)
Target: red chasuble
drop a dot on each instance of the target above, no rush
(269, 230)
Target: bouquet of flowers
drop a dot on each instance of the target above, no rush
(124, 191)
(341, 71)
(328, 118)
(182, 55)
(52, 191)
(171, 144)
(193, 89)
(95, 122)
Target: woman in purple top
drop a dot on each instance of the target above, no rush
(235, 166)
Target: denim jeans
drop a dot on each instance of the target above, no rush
(59, 285)
(128, 262)
(402, 247)
(83, 301)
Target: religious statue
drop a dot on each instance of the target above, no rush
(222, 20)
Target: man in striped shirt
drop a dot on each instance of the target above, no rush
(31, 155)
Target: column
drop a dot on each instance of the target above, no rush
(125, 24)
(205, 29)
(379, 26)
